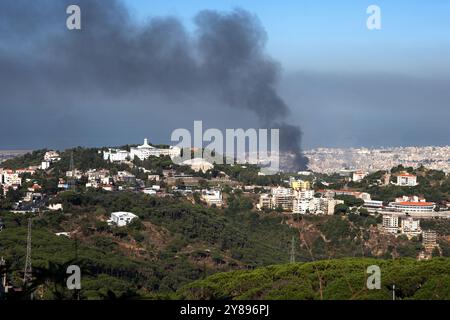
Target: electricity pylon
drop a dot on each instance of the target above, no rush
(72, 171)
(27, 275)
(293, 250)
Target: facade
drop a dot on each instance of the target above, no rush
(413, 207)
(410, 227)
(406, 180)
(121, 219)
(390, 223)
(429, 240)
(153, 177)
(359, 175)
(330, 193)
(142, 152)
(265, 201)
(282, 197)
(304, 206)
(51, 156)
(45, 165)
(410, 199)
(212, 197)
(116, 155)
(145, 151)
(315, 205)
(373, 205)
(300, 184)
(327, 205)
(55, 207)
(10, 178)
(198, 164)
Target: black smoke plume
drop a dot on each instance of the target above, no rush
(43, 64)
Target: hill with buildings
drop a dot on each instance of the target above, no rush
(147, 227)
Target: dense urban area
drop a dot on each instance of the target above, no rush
(141, 226)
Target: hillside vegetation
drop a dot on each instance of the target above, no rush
(341, 279)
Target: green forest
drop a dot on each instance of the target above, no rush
(343, 279)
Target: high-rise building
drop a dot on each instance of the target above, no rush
(429, 240)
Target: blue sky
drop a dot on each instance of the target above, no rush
(332, 35)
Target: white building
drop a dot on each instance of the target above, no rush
(55, 207)
(327, 205)
(315, 205)
(304, 206)
(51, 156)
(265, 201)
(429, 240)
(282, 197)
(145, 151)
(304, 194)
(390, 223)
(198, 164)
(76, 174)
(153, 177)
(45, 165)
(359, 175)
(410, 199)
(212, 197)
(410, 227)
(122, 219)
(116, 155)
(10, 178)
(142, 152)
(373, 205)
(412, 207)
(149, 191)
(406, 180)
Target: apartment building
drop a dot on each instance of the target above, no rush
(390, 223)
(406, 180)
(212, 197)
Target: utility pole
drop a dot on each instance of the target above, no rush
(293, 249)
(27, 275)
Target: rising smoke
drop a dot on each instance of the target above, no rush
(113, 55)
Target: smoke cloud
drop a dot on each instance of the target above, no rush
(45, 68)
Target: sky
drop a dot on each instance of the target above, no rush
(329, 35)
(340, 83)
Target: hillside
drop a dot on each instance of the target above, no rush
(177, 239)
(333, 279)
(176, 242)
